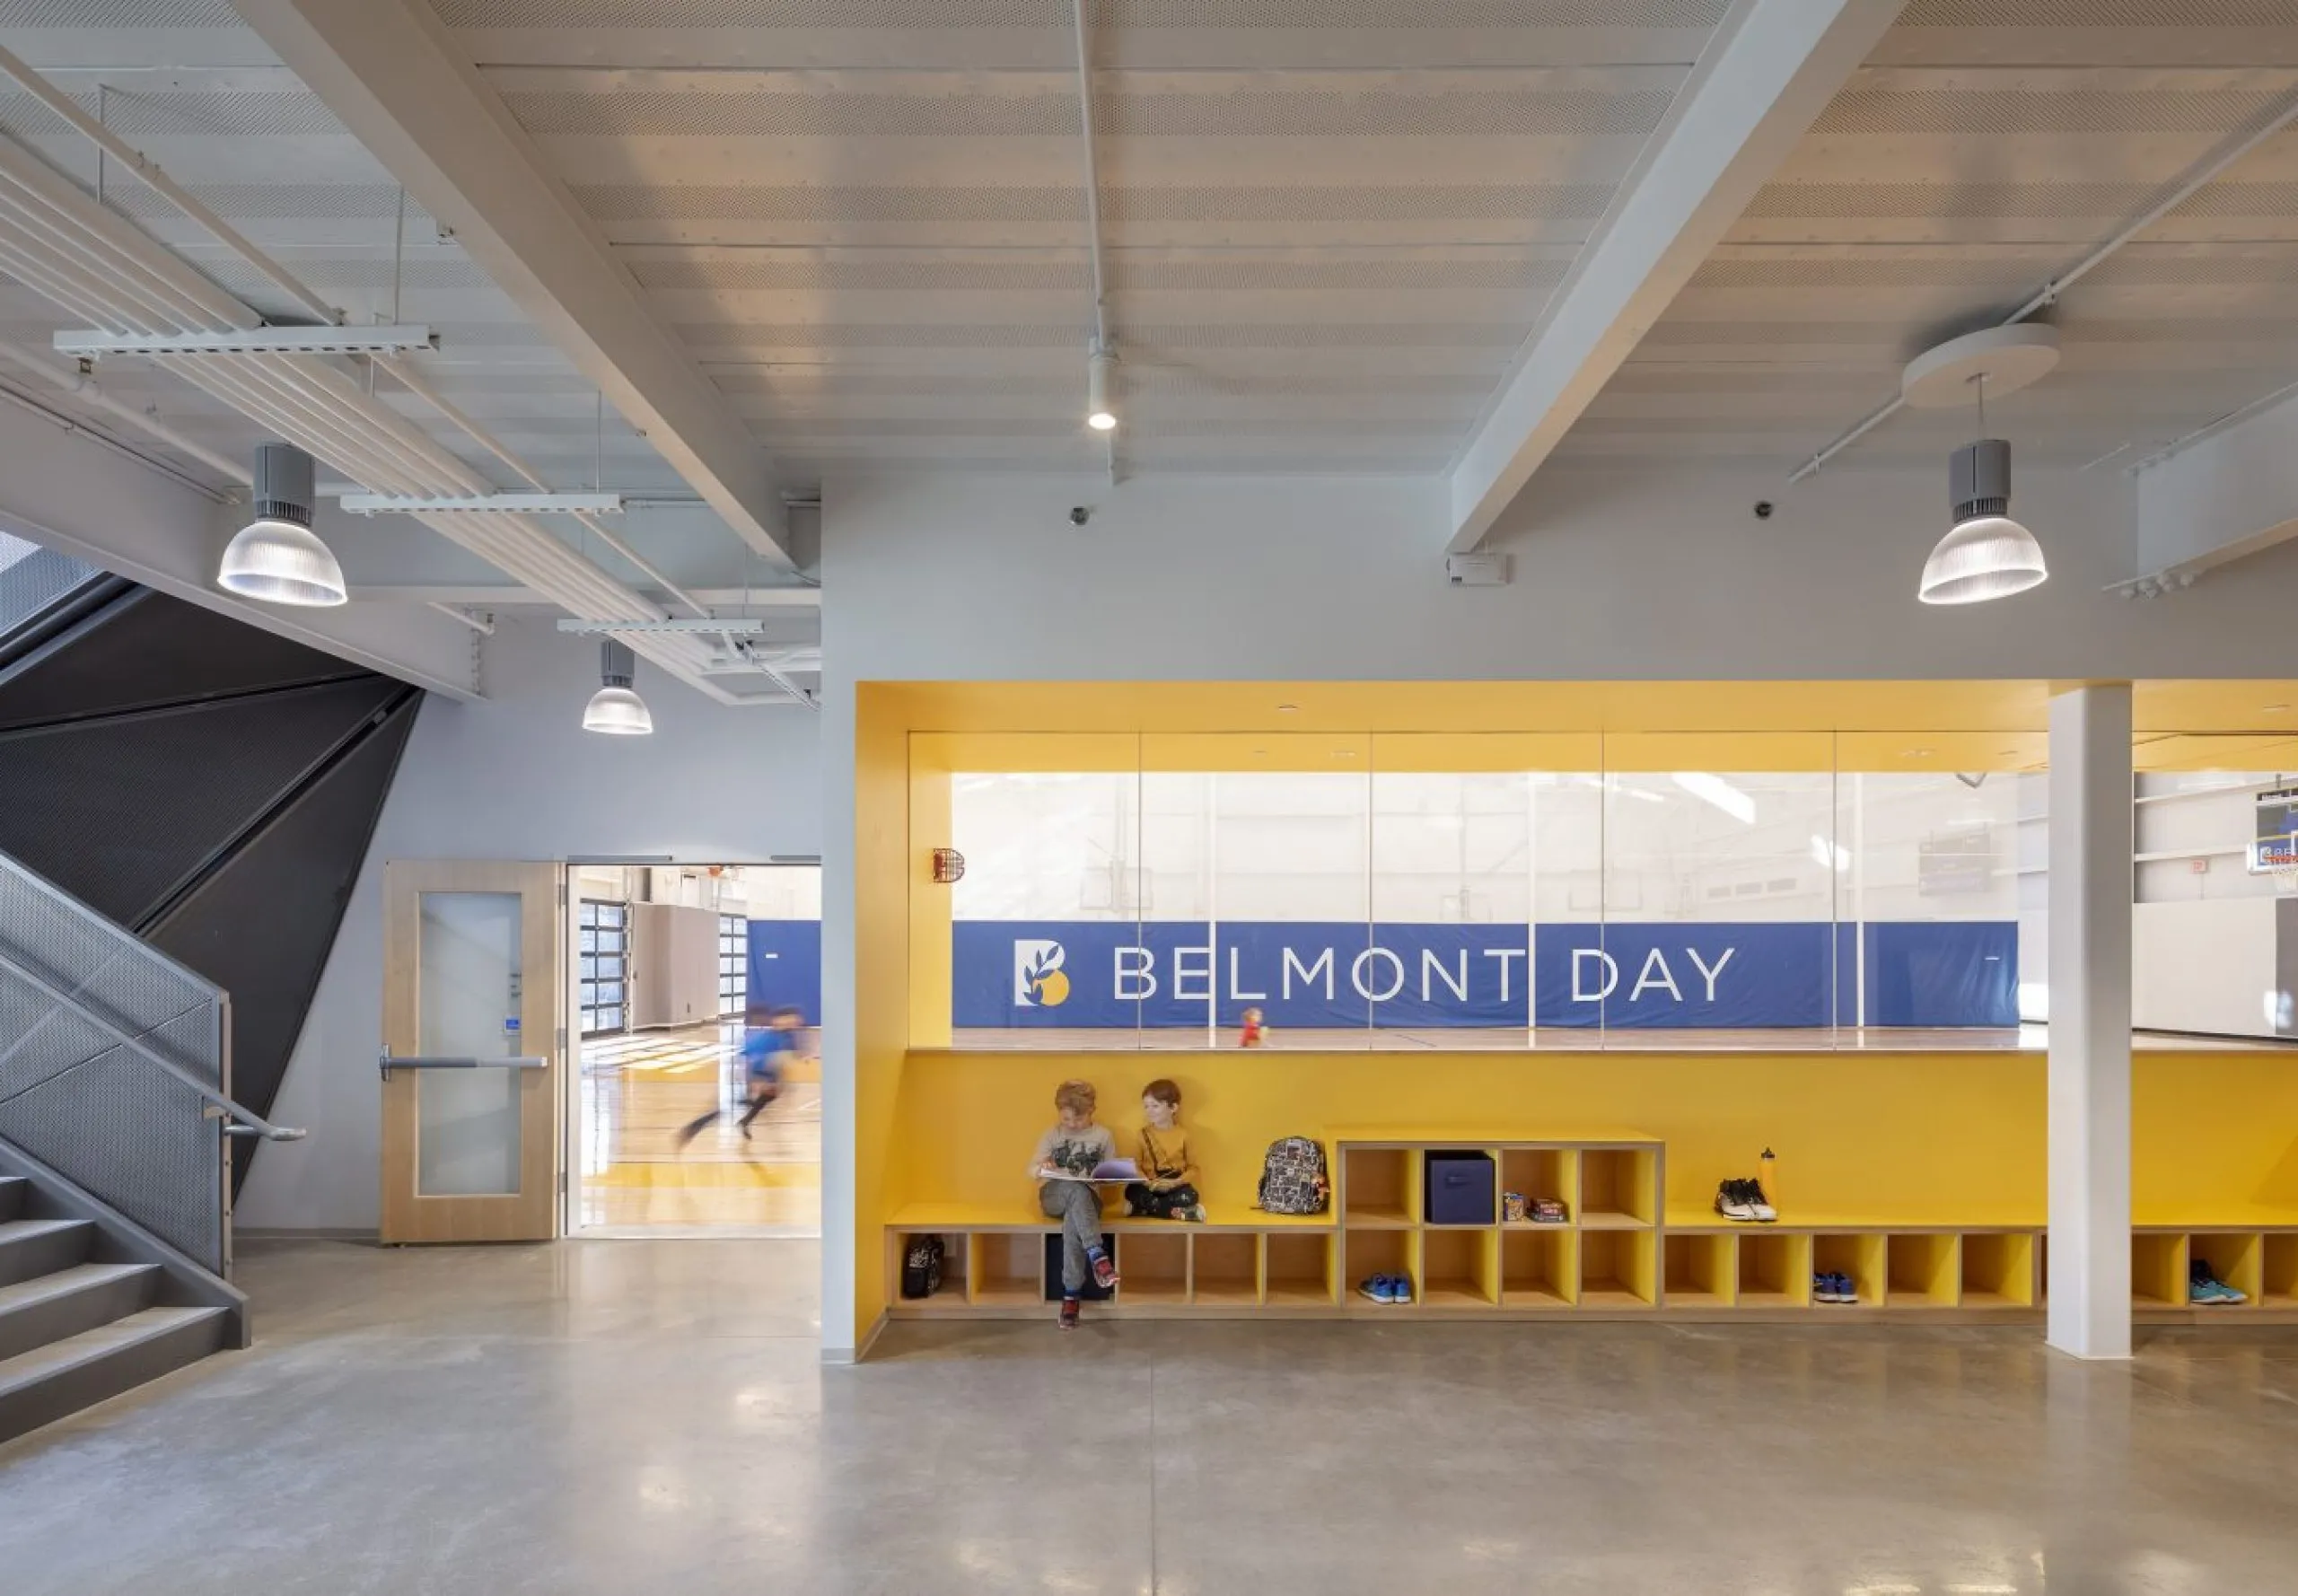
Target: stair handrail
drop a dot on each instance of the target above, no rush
(245, 1121)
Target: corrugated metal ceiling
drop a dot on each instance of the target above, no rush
(1330, 222)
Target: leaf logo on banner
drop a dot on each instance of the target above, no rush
(1038, 981)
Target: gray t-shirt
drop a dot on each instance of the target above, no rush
(1073, 1152)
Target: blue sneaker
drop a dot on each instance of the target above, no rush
(1400, 1288)
(1377, 1288)
(1845, 1290)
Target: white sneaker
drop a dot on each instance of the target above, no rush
(1759, 1206)
(1731, 1205)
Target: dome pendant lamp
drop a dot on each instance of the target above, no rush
(614, 709)
(277, 557)
(1986, 554)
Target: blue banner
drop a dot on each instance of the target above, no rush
(1094, 975)
(785, 968)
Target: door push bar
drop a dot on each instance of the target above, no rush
(386, 1063)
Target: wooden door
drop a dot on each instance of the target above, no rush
(473, 960)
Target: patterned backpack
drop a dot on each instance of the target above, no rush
(1292, 1178)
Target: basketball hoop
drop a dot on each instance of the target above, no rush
(2276, 856)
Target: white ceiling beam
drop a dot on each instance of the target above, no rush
(399, 81)
(1767, 75)
(63, 491)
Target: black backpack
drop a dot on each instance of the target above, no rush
(921, 1267)
(1292, 1178)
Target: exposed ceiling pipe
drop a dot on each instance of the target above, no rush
(86, 259)
(1102, 346)
(147, 172)
(81, 386)
(2047, 294)
(478, 435)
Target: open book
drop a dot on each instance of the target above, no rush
(1110, 1171)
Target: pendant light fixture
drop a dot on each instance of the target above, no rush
(615, 709)
(277, 557)
(1987, 554)
(1098, 415)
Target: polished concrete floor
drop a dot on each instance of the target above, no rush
(621, 1417)
(634, 1174)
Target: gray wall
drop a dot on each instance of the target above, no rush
(515, 776)
(1617, 576)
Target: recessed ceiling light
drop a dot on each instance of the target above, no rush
(1288, 709)
(2276, 709)
(2008, 753)
(1344, 753)
(1915, 753)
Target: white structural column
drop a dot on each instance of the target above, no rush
(2089, 1021)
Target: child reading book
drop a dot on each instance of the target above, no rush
(1167, 1190)
(1063, 1164)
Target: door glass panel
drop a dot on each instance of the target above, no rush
(468, 995)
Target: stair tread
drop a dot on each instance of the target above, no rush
(18, 1230)
(41, 1288)
(28, 1368)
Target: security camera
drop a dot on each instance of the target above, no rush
(1763, 509)
(1079, 515)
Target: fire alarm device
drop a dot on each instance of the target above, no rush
(949, 866)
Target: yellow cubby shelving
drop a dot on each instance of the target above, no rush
(2261, 1261)
(1923, 1270)
(1297, 1266)
(1380, 1187)
(1618, 1269)
(1006, 1269)
(1154, 1268)
(1619, 1251)
(1774, 1269)
(1460, 1267)
(1384, 1250)
(1700, 1271)
(2158, 1270)
(2280, 1271)
(1539, 1267)
(2001, 1269)
(1861, 1254)
(1534, 1172)
(1225, 1270)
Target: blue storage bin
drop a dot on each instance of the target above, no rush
(1460, 1189)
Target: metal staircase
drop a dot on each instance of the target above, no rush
(85, 1312)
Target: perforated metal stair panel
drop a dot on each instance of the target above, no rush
(262, 926)
(122, 1127)
(153, 649)
(120, 811)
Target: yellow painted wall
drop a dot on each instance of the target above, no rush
(883, 873)
(1957, 1137)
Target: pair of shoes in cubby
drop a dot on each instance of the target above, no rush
(1387, 1288)
(1744, 1201)
(1834, 1288)
(2205, 1290)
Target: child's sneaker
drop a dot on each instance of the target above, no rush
(1069, 1313)
(1193, 1213)
(1104, 1271)
(1376, 1288)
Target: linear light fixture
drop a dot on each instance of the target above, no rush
(251, 340)
(710, 628)
(485, 504)
(1714, 789)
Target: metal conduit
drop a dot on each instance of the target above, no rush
(114, 278)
